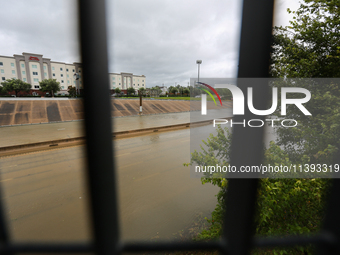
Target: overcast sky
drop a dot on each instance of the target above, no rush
(161, 39)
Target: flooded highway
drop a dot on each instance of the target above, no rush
(46, 199)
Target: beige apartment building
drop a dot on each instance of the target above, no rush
(32, 68)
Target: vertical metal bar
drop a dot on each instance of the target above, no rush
(247, 146)
(4, 236)
(331, 224)
(100, 170)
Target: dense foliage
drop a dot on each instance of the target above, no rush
(131, 90)
(72, 92)
(284, 206)
(15, 85)
(142, 91)
(117, 90)
(308, 48)
(50, 85)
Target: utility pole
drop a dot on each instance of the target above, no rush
(140, 103)
(198, 62)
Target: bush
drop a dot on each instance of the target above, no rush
(284, 206)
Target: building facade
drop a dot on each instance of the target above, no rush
(33, 68)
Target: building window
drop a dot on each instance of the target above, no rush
(24, 79)
(61, 75)
(45, 74)
(52, 68)
(22, 65)
(62, 87)
(34, 66)
(68, 81)
(133, 84)
(143, 85)
(23, 72)
(3, 78)
(66, 69)
(72, 70)
(74, 82)
(79, 71)
(80, 82)
(36, 80)
(119, 78)
(53, 75)
(113, 82)
(68, 76)
(113, 78)
(12, 64)
(138, 84)
(1, 64)
(119, 83)
(35, 73)
(2, 71)
(13, 71)
(36, 86)
(142, 80)
(44, 67)
(62, 81)
(61, 68)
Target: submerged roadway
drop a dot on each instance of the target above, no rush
(46, 199)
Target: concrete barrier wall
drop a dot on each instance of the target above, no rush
(16, 112)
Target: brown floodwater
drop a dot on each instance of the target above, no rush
(46, 199)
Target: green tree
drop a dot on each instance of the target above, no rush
(131, 90)
(72, 91)
(142, 91)
(155, 91)
(194, 91)
(284, 206)
(15, 85)
(309, 48)
(50, 85)
(186, 91)
(117, 91)
(173, 90)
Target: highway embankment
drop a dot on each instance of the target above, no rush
(23, 112)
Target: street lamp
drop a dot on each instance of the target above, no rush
(76, 78)
(198, 62)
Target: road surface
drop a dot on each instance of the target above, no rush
(46, 197)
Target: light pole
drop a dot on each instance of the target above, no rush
(76, 77)
(198, 62)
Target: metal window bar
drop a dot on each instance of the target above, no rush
(238, 238)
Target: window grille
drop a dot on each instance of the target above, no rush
(238, 238)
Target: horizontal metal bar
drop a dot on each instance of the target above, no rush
(46, 248)
(173, 246)
(321, 238)
(258, 242)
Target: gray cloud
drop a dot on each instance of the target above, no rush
(160, 39)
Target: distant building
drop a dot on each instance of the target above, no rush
(32, 68)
